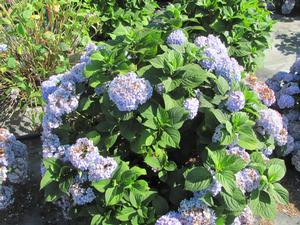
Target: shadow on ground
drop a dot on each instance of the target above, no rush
(289, 43)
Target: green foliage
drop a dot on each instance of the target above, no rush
(243, 25)
(43, 38)
(164, 157)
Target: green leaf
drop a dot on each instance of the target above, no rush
(101, 185)
(275, 173)
(170, 137)
(235, 201)
(160, 205)
(227, 179)
(262, 204)
(97, 219)
(11, 62)
(197, 179)
(232, 163)
(125, 214)
(248, 140)
(222, 85)
(219, 115)
(94, 136)
(47, 179)
(192, 75)
(113, 195)
(281, 194)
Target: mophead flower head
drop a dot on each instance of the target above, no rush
(236, 101)
(83, 154)
(247, 179)
(191, 105)
(176, 37)
(102, 168)
(128, 91)
(171, 218)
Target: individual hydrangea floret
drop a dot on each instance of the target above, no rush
(83, 154)
(236, 101)
(171, 218)
(247, 179)
(103, 168)
(128, 91)
(285, 101)
(191, 105)
(268, 151)
(176, 37)
(3, 47)
(6, 196)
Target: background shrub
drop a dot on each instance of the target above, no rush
(244, 26)
(41, 38)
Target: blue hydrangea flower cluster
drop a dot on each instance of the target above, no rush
(128, 91)
(236, 101)
(177, 37)
(286, 101)
(246, 218)
(6, 196)
(59, 92)
(238, 151)
(271, 123)
(247, 180)
(191, 105)
(80, 194)
(218, 133)
(191, 211)
(217, 58)
(171, 218)
(3, 47)
(85, 156)
(13, 166)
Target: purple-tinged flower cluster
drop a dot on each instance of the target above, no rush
(238, 151)
(191, 105)
(103, 168)
(128, 91)
(160, 88)
(246, 218)
(236, 101)
(191, 211)
(271, 123)
(177, 37)
(3, 47)
(265, 94)
(247, 180)
(217, 58)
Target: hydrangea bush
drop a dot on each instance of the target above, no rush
(286, 88)
(155, 128)
(13, 166)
